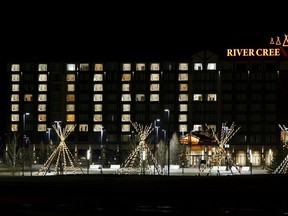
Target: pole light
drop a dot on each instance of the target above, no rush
(58, 129)
(48, 143)
(24, 140)
(101, 148)
(24, 122)
(168, 140)
(156, 138)
(49, 134)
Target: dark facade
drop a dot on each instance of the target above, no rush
(102, 97)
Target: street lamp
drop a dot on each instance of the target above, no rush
(156, 133)
(49, 135)
(24, 122)
(61, 163)
(183, 152)
(101, 159)
(168, 141)
(58, 129)
(164, 136)
(156, 138)
(24, 140)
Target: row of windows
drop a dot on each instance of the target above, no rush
(99, 77)
(99, 87)
(128, 77)
(124, 97)
(125, 67)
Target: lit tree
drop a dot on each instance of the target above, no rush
(176, 149)
(161, 153)
(12, 155)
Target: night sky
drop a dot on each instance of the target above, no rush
(119, 31)
(143, 30)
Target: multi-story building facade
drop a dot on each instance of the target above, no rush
(179, 96)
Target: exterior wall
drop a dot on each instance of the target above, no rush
(101, 98)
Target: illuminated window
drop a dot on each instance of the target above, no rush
(98, 67)
(155, 67)
(84, 67)
(126, 97)
(183, 66)
(97, 97)
(14, 117)
(183, 128)
(41, 107)
(182, 118)
(198, 66)
(14, 97)
(42, 87)
(140, 97)
(14, 127)
(71, 67)
(126, 67)
(97, 127)
(42, 67)
(70, 77)
(211, 66)
(41, 117)
(97, 117)
(197, 97)
(211, 97)
(126, 77)
(140, 66)
(70, 97)
(70, 107)
(70, 117)
(98, 107)
(125, 127)
(183, 77)
(28, 97)
(15, 78)
(42, 97)
(126, 107)
(183, 107)
(83, 127)
(154, 77)
(183, 97)
(42, 77)
(154, 87)
(15, 67)
(154, 97)
(183, 87)
(41, 127)
(70, 87)
(15, 107)
(15, 87)
(125, 117)
(125, 87)
(197, 127)
(98, 87)
(98, 77)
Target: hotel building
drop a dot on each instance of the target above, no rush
(179, 96)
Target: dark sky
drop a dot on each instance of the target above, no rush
(139, 30)
(88, 29)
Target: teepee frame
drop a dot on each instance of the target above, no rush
(142, 152)
(61, 155)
